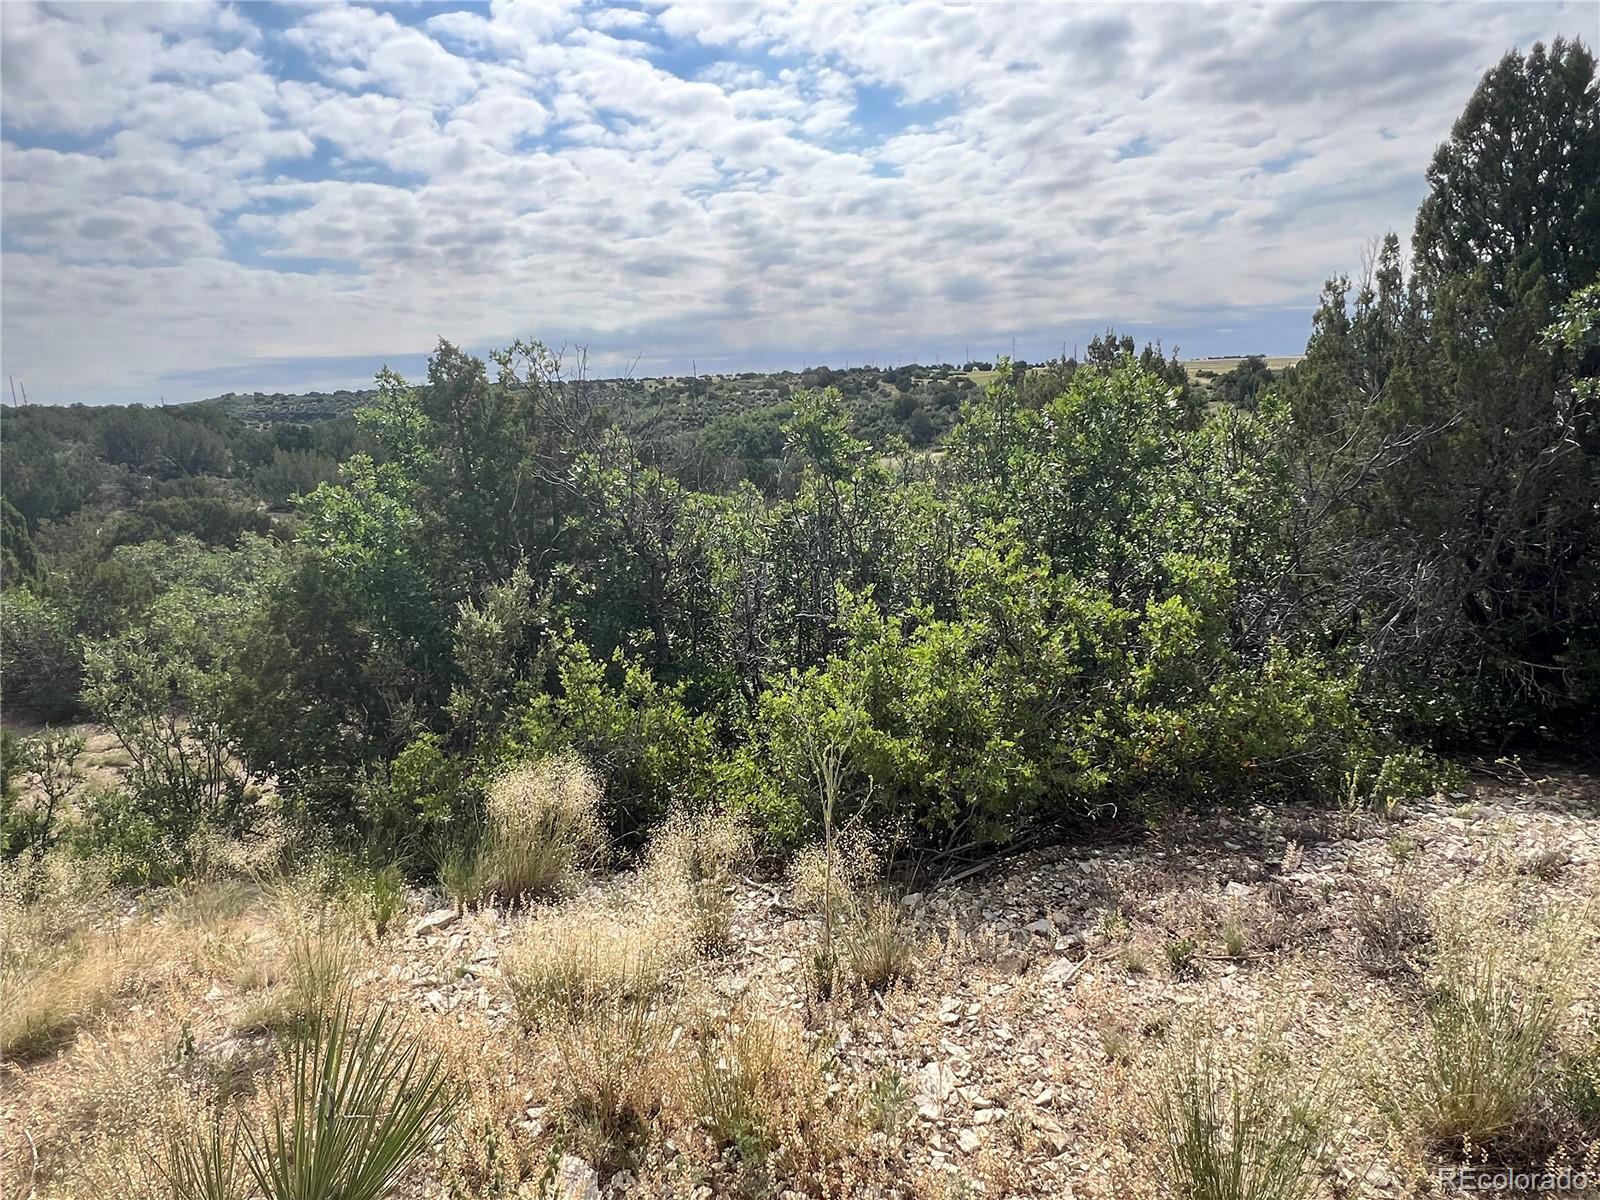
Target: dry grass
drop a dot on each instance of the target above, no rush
(303, 974)
(827, 875)
(615, 1071)
(543, 829)
(879, 943)
(1240, 1125)
(696, 857)
(1480, 1063)
(756, 1090)
(1392, 925)
(568, 960)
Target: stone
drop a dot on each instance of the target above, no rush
(968, 1140)
(575, 1180)
(934, 1084)
(439, 919)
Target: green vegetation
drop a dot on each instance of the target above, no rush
(361, 1101)
(1071, 592)
(1241, 1130)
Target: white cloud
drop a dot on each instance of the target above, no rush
(188, 187)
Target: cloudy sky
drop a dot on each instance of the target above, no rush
(204, 198)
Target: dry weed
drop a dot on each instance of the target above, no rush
(569, 959)
(543, 828)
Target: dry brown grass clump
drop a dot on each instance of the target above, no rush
(543, 829)
(1392, 925)
(879, 942)
(568, 960)
(754, 1088)
(303, 973)
(1479, 1067)
(695, 857)
(823, 874)
(62, 964)
(1236, 1123)
(595, 987)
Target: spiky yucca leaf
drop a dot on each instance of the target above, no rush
(362, 1103)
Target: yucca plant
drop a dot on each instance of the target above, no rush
(360, 1102)
(1239, 1131)
(205, 1166)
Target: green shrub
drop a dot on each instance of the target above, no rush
(47, 768)
(652, 751)
(418, 802)
(124, 836)
(1042, 697)
(41, 661)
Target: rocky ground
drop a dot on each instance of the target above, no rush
(1017, 1058)
(1046, 978)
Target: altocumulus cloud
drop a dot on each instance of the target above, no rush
(266, 196)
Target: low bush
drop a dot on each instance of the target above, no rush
(1043, 697)
(542, 828)
(42, 773)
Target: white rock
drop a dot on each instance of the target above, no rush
(575, 1180)
(934, 1084)
(968, 1140)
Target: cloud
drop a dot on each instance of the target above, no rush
(193, 187)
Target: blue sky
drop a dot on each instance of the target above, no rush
(200, 198)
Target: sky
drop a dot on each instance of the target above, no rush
(199, 198)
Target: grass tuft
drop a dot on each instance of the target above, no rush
(1239, 1130)
(568, 960)
(543, 829)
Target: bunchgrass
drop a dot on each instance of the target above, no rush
(543, 829)
(568, 960)
(879, 943)
(1240, 1128)
(1495, 1001)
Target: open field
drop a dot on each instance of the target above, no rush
(1024, 1051)
(1199, 368)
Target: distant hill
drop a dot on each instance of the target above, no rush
(885, 398)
